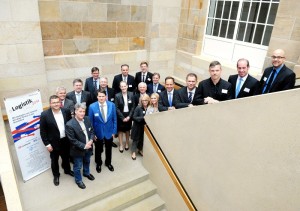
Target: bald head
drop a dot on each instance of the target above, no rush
(278, 58)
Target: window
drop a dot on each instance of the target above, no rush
(248, 21)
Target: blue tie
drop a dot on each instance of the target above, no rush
(190, 96)
(238, 87)
(170, 98)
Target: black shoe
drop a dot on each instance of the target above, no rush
(81, 185)
(71, 173)
(110, 167)
(114, 145)
(133, 158)
(98, 168)
(56, 181)
(126, 148)
(90, 176)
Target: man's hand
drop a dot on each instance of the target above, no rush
(88, 144)
(210, 100)
(49, 148)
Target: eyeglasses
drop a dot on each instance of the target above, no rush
(277, 57)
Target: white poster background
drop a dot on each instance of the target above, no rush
(24, 113)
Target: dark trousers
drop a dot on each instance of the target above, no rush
(64, 153)
(99, 149)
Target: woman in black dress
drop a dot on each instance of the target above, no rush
(125, 108)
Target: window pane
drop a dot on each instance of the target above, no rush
(226, 10)
(223, 28)
(234, 10)
(267, 36)
(241, 31)
(249, 33)
(210, 22)
(253, 12)
(216, 28)
(212, 7)
(258, 34)
(245, 11)
(272, 14)
(231, 30)
(219, 9)
(263, 12)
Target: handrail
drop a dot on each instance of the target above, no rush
(170, 170)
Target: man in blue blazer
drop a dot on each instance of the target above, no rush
(103, 117)
(155, 87)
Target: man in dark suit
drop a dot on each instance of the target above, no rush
(52, 129)
(124, 76)
(103, 117)
(142, 90)
(143, 75)
(215, 89)
(92, 83)
(278, 77)
(81, 135)
(155, 87)
(243, 84)
(79, 95)
(169, 98)
(189, 95)
(64, 102)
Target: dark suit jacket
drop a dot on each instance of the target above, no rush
(77, 137)
(285, 79)
(69, 104)
(137, 131)
(119, 101)
(138, 78)
(103, 129)
(89, 87)
(184, 98)
(85, 97)
(160, 88)
(249, 88)
(164, 102)
(130, 82)
(49, 129)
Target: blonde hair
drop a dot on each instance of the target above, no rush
(156, 95)
(144, 97)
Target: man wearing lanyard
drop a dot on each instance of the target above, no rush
(278, 77)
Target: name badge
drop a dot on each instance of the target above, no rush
(265, 78)
(149, 79)
(224, 91)
(96, 114)
(129, 101)
(129, 85)
(112, 99)
(158, 90)
(247, 90)
(90, 129)
(144, 112)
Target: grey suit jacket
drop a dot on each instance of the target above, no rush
(69, 104)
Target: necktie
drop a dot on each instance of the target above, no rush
(125, 79)
(143, 78)
(238, 87)
(155, 88)
(267, 89)
(78, 98)
(61, 104)
(190, 96)
(95, 85)
(170, 98)
(102, 113)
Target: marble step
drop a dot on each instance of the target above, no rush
(123, 199)
(152, 203)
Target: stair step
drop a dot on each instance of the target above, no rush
(152, 203)
(123, 199)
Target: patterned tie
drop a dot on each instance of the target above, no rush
(170, 98)
(238, 87)
(95, 85)
(102, 113)
(270, 81)
(190, 96)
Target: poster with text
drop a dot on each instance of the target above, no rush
(24, 113)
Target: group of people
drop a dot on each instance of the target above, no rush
(101, 113)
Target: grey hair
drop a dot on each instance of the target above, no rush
(60, 88)
(80, 105)
(141, 84)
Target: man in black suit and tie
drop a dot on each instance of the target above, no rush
(52, 129)
(81, 135)
(189, 95)
(92, 83)
(243, 84)
(155, 87)
(215, 89)
(169, 98)
(143, 75)
(64, 102)
(142, 90)
(278, 77)
(79, 95)
(124, 76)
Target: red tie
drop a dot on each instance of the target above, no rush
(61, 104)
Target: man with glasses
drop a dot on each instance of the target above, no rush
(278, 77)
